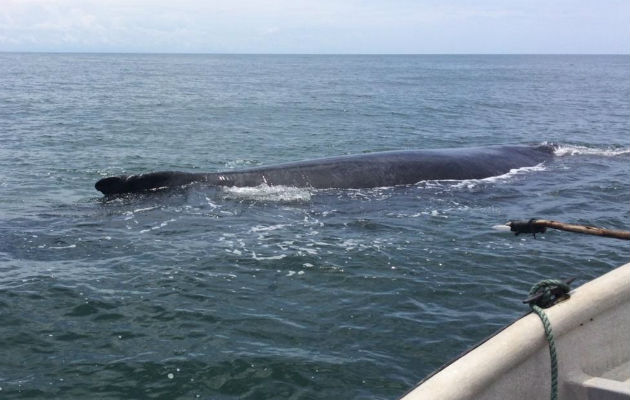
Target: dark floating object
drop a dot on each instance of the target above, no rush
(534, 226)
(369, 170)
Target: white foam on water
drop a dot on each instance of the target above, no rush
(265, 192)
(499, 178)
(306, 250)
(572, 150)
(139, 210)
(261, 228)
(162, 225)
(258, 258)
(72, 246)
(210, 203)
(291, 273)
(471, 183)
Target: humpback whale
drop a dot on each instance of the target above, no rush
(379, 169)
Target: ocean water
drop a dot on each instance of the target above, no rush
(279, 292)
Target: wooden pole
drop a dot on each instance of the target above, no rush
(538, 226)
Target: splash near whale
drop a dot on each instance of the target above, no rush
(368, 170)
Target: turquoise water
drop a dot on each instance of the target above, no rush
(284, 292)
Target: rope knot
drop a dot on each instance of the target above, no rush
(544, 294)
(547, 292)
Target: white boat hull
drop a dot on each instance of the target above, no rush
(592, 335)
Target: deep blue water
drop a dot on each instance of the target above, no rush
(283, 292)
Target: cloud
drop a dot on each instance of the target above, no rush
(280, 26)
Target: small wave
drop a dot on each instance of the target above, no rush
(72, 246)
(471, 183)
(260, 228)
(265, 192)
(162, 225)
(572, 150)
(261, 258)
(139, 210)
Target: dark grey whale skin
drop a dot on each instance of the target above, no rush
(368, 170)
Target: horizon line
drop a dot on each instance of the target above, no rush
(302, 54)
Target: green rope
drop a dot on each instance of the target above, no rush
(546, 300)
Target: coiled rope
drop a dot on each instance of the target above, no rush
(549, 290)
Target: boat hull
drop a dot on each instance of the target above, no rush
(591, 331)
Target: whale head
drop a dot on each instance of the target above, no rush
(112, 185)
(145, 182)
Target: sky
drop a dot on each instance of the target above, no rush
(317, 26)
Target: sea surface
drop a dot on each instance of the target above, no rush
(280, 292)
